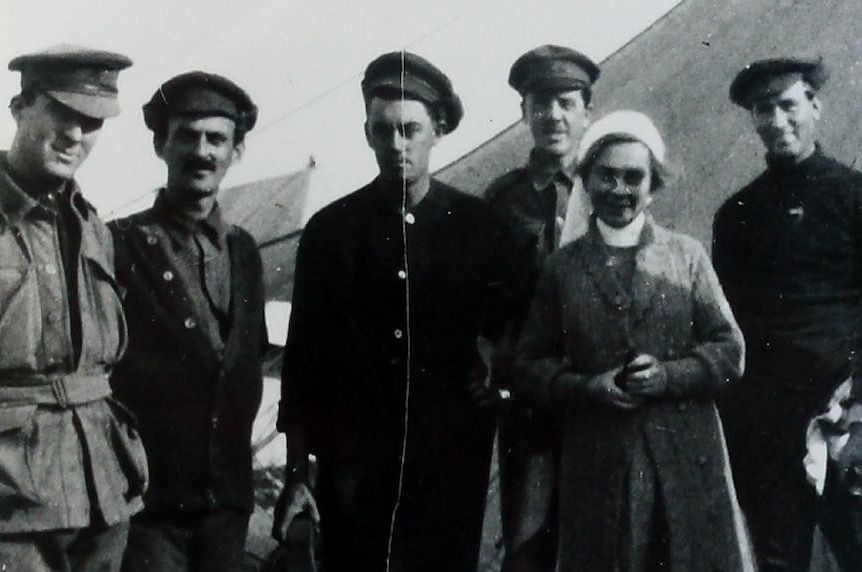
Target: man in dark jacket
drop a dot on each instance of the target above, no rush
(555, 84)
(395, 283)
(194, 304)
(788, 251)
(72, 467)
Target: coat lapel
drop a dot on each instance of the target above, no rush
(651, 255)
(603, 277)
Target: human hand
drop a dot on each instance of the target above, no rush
(645, 376)
(295, 499)
(604, 390)
(486, 397)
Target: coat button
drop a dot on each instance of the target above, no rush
(682, 406)
(50, 269)
(402, 275)
(409, 218)
(702, 460)
(190, 323)
(398, 334)
(152, 240)
(168, 275)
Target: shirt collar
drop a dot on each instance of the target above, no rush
(16, 204)
(624, 237)
(543, 170)
(179, 226)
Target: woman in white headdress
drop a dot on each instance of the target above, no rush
(629, 338)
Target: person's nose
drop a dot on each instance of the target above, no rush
(554, 110)
(73, 132)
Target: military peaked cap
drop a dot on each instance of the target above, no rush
(552, 68)
(82, 79)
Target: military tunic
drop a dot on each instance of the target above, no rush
(192, 374)
(69, 454)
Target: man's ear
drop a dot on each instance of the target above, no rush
(367, 129)
(817, 105)
(238, 151)
(158, 145)
(15, 107)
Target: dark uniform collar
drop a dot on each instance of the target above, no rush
(784, 168)
(16, 203)
(180, 226)
(543, 170)
(435, 202)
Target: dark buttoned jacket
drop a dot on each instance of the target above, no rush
(195, 404)
(788, 250)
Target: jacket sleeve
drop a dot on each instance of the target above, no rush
(546, 374)
(718, 354)
(307, 345)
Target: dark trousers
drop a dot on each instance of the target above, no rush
(91, 549)
(211, 541)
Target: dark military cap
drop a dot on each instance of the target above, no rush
(768, 77)
(417, 78)
(552, 68)
(79, 78)
(200, 94)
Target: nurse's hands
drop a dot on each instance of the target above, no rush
(645, 376)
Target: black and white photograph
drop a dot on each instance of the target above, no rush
(406, 286)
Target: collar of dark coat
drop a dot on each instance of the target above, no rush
(16, 204)
(652, 255)
(180, 227)
(542, 171)
(436, 204)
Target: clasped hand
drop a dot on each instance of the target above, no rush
(627, 386)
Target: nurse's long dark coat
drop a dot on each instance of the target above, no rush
(582, 323)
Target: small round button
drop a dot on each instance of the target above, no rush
(152, 240)
(50, 269)
(402, 275)
(409, 218)
(190, 323)
(398, 334)
(168, 275)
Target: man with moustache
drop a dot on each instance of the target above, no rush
(788, 251)
(195, 307)
(395, 283)
(72, 467)
(555, 84)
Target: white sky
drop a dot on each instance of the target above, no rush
(301, 61)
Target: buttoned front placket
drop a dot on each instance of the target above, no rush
(55, 342)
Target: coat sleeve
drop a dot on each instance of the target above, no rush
(546, 374)
(718, 354)
(306, 348)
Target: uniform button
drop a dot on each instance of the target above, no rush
(50, 269)
(168, 275)
(190, 323)
(682, 406)
(402, 275)
(701, 460)
(409, 218)
(214, 422)
(53, 317)
(398, 334)
(152, 239)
